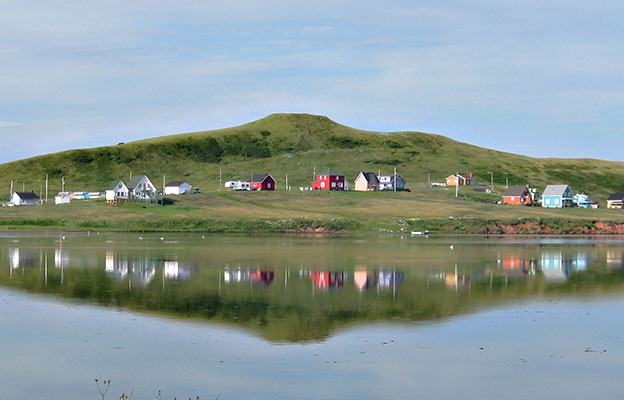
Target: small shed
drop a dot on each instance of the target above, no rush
(62, 198)
(24, 199)
(517, 195)
(452, 180)
(366, 181)
(262, 182)
(178, 187)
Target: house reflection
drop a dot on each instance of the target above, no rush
(22, 258)
(388, 279)
(558, 267)
(61, 258)
(614, 258)
(174, 270)
(248, 275)
(139, 271)
(325, 280)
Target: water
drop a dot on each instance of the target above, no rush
(301, 317)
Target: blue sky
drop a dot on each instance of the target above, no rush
(532, 77)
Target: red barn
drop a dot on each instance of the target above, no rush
(329, 180)
(517, 195)
(262, 182)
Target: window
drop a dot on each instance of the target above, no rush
(513, 198)
(556, 201)
(546, 201)
(333, 184)
(322, 184)
(339, 184)
(268, 185)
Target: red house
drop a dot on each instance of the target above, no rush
(329, 180)
(517, 195)
(262, 182)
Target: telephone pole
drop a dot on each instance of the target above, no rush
(492, 180)
(457, 184)
(286, 181)
(219, 179)
(47, 179)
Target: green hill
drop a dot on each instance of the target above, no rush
(295, 144)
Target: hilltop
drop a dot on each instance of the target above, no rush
(295, 144)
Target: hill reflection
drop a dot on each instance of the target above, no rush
(288, 298)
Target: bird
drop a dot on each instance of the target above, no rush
(451, 247)
(140, 237)
(63, 237)
(162, 238)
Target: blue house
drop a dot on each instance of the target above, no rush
(386, 182)
(584, 201)
(557, 196)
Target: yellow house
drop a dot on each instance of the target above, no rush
(366, 181)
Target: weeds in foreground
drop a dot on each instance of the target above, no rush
(105, 385)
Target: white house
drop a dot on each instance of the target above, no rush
(62, 198)
(116, 190)
(141, 188)
(178, 187)
(24, 199)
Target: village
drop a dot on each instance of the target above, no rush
(140, 188)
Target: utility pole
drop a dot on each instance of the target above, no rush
(286, 181)
(457, 184)
(47, 179)
(395, 179)
(23, 186)
(11, 189)
(507, 184)
(164, 184)
(314, 173)
(219, 179)
(492, 180)
(62, 184)
(429, 179)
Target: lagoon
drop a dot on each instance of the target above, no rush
(304, 317)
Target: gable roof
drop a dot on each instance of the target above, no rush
(555, 190)
(176, 183)
(516, 190)
(616, 196)
(113, 185)
(369, 176)
(259, 178)
(331, 172)
(134, 182)
(27, 195)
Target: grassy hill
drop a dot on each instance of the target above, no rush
(295, 144)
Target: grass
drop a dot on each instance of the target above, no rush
(436, 210)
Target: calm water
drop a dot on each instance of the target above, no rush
(272, 317)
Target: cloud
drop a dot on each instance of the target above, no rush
(6, 124)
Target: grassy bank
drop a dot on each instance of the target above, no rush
(436, 210)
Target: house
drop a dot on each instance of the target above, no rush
(584, 201)
(262, 182)
(616, 201)
(178, 187)
(237, 185)
(329, 180)
(386, 182)
(557, 196)
(24, 199)
(518, 195)
(62, 198)
(366, 181)
(115, 191)
(463, 180)
(141, 188)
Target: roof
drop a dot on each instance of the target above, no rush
(555, 190)
(259, 178)
(27, 195)
(134, 182)
(331, 172)
(616, 196)
(176, 183)
(113, 185)
(369, 176)
(515, 190)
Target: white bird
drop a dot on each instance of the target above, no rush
(140, 237)
(63, 237)
(451, 247)
(203, 236)
(162, 238)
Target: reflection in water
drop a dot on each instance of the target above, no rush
(203, 283)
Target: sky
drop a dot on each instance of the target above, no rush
(537, 78)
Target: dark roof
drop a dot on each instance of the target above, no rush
(369, 176)
(134, 182)
(515, 190)
(113, 185)
(27, 195)
(616, 196)
(331, 172)
(259, 178)
(176, 183)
